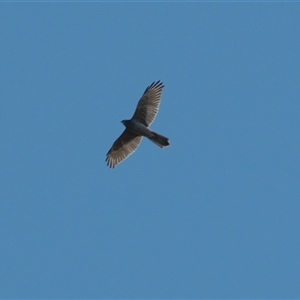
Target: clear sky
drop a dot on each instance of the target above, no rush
(215, 215)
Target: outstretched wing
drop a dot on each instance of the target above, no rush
(124, 146)
(148, 105)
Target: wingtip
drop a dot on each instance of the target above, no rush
(156, 84)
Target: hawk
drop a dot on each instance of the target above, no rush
(138, 127)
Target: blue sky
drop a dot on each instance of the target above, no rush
(215, 215)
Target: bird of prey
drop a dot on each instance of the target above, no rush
(138, 127)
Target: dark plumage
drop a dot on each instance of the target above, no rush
(138, 126)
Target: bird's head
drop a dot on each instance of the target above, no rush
(125, 122)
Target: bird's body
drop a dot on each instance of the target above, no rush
(138, 127)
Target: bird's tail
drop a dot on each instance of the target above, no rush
(160, 140)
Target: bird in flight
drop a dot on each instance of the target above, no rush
(138, 127)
